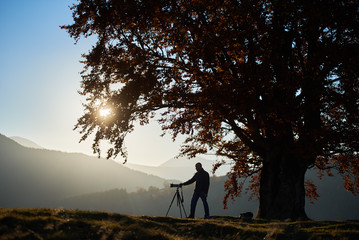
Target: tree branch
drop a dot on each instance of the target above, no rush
(244, 137)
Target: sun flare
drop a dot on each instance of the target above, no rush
(104, 112)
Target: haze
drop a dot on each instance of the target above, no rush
(40, 77)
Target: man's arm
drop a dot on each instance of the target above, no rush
(192, 180)
(207, 184)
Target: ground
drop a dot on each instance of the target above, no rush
(75, 224)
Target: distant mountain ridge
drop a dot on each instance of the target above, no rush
(186, 162)
(334, 204)
(43, 178)
(26, 142)
(32, 177)
(180, 168)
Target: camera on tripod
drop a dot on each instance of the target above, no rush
(175, 185)
(179, 196)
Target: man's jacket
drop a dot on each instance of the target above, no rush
(202, 181)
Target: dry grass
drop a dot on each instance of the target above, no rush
(74, 224)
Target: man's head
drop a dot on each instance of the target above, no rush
(198, 167)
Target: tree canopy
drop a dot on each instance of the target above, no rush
(272, 85)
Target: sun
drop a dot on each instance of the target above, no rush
(105, 112)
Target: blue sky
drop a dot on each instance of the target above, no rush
(40, 77)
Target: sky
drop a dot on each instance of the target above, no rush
(40, 78)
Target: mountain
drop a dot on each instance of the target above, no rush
(40, 178)
(180, 168)
(334, 201)
(26, 142)
(156, 202)
(334, 204)
(186, 162)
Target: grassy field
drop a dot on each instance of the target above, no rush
(74, 224)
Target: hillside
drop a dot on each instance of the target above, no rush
(66, 224)
(44, 178)
(26, 142)
(180, 168)
(334, 204)
(40, 178)
(155, 201)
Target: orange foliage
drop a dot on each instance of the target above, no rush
(240, 79)
(311, 190)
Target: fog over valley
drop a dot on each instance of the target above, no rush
(31, 176)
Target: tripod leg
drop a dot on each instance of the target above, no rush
(179, 201)
(185, 214)
(171, 204)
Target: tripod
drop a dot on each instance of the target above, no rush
(179, 202)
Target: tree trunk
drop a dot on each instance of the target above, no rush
(282, 193)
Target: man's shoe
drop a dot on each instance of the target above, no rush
(207, 217)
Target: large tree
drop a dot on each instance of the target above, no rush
(270, 85)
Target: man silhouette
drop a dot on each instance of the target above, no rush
(200, 191)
